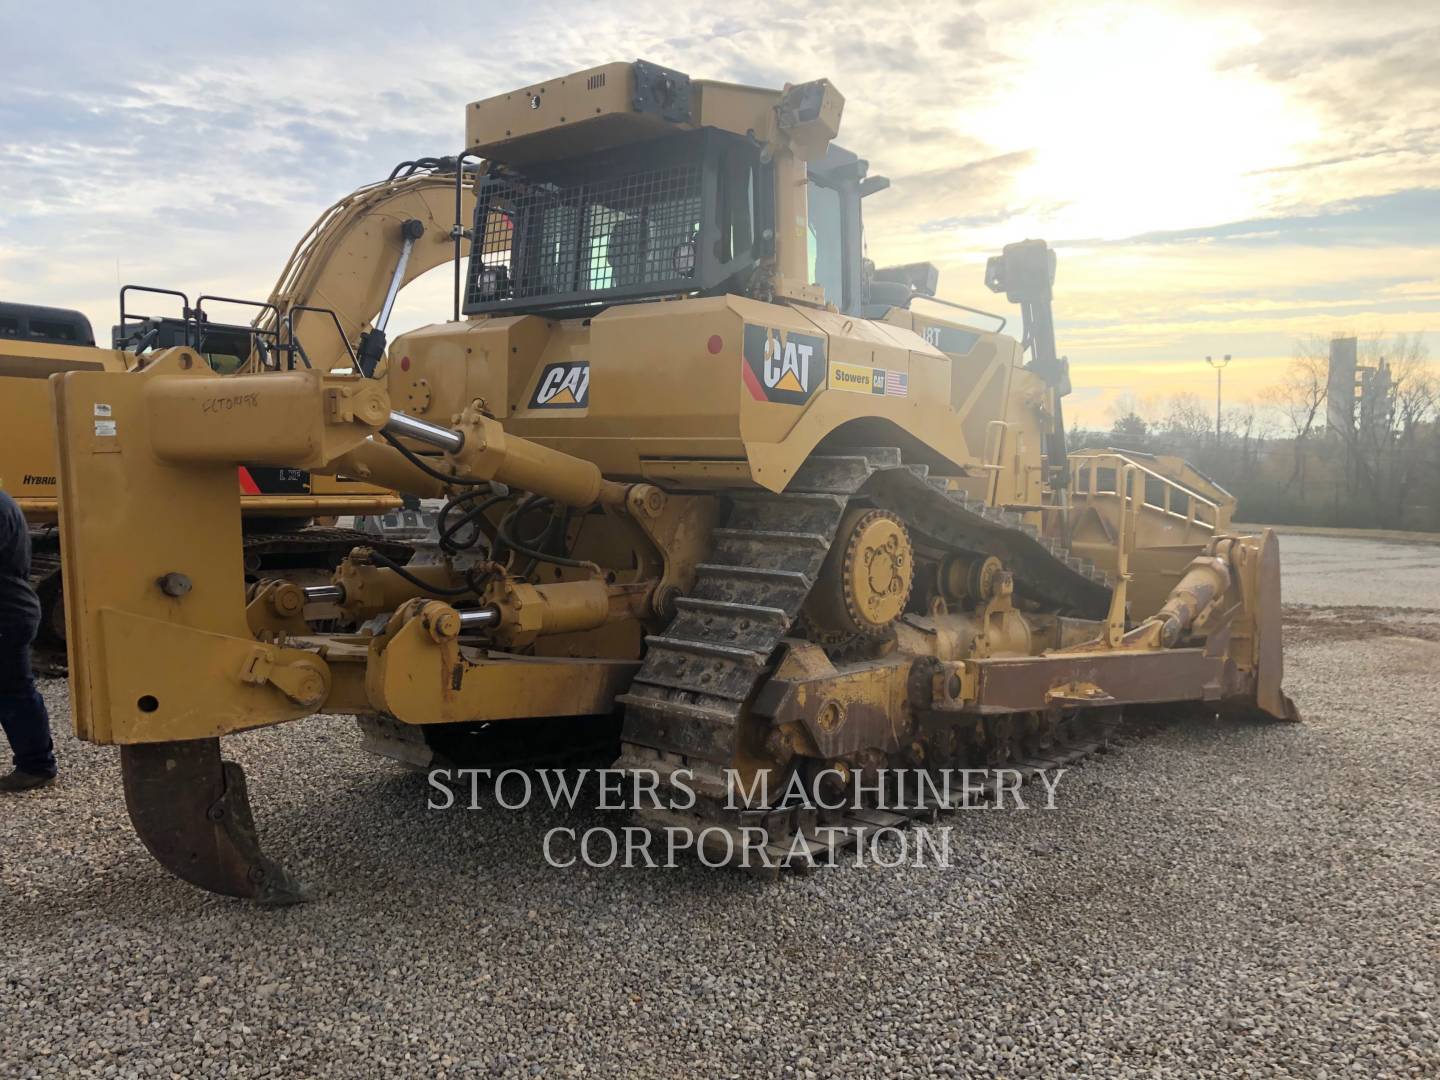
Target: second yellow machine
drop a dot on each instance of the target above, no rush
(710, 476)
(335, 294)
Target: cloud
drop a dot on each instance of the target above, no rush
(1371, 83)
(969, 184)
(1283, 61)
(965, 32)
(1406, 217)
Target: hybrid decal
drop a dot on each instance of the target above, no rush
(565, 385)
(780, 366)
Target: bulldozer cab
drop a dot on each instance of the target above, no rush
(689, 213)
(683, 213)
(632, 182)
(835, 246)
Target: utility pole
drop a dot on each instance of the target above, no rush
(1219, 366)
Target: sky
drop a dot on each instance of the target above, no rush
(1216, 177)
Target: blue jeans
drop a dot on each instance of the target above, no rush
(22, 709)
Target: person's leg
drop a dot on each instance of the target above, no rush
(22, 709)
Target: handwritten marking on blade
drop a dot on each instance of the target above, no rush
(226, 404)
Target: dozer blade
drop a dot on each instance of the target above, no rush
(1269, 659)
(193, 814)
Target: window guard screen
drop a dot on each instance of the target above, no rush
(645, 222)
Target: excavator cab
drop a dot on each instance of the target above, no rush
(226, 347)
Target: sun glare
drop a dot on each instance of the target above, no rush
(1136, 123)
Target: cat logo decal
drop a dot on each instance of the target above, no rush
(565, 385)
(783, 366)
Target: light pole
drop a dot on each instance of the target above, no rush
(1219, 366)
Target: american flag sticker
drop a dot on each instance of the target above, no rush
(897, 384)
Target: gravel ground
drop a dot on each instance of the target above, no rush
(1215, 900)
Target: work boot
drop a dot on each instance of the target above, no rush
(15, 780)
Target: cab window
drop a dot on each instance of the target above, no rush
(826, 242)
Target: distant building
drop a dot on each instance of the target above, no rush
(1340, 386)
(1375, 401)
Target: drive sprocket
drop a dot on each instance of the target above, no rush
(866, 580)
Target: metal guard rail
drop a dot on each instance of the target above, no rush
(1089, 466)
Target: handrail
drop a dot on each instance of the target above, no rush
(995, 461)
(1087, 460)
(1125, 543)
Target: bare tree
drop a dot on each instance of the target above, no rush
(1187, 420)
(1127, 404)
(1299, 397)
(1413, 382)
(1384, 459)
(1251, 426)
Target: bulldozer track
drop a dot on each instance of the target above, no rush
(684, 708)
(319, 538)
(804, 840)
(44, 569)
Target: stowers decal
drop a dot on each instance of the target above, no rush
(857, 379)
(863, 379)
(787, 367)
(565, 385)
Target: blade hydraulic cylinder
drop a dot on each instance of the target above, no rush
(372, 342)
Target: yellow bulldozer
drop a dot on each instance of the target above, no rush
(328, 310)
(717, 488)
